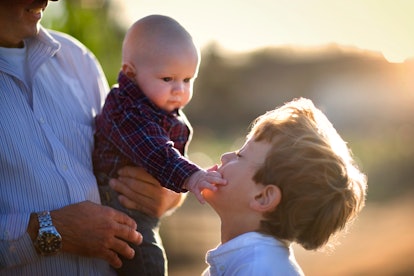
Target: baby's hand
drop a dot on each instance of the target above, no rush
(204, 180)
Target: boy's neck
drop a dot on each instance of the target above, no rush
(236, 227)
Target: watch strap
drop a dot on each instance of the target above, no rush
(44, 219)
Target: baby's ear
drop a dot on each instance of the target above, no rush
(266, 198)
(129, 70)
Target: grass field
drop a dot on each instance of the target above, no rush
(380, 242)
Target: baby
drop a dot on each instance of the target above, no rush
(142, 124)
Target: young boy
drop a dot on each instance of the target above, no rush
(294, 180)
(142, 124)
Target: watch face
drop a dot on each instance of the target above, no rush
(49, 242)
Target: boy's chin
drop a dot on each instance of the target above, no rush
(208, 195)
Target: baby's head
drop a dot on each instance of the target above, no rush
(322, 188)
(160, 56)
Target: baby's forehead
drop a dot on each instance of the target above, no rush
(156, 28)
(145, 40)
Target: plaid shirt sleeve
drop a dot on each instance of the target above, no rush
(147, 144)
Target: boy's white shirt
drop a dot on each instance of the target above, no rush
(252, 253)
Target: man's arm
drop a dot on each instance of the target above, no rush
(140, 191)
(92, 230)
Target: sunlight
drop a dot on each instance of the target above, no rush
(397, 56)
(242, 26)
(385, 28)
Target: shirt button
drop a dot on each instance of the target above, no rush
(222, 268)
(64, 167)
(41, 120)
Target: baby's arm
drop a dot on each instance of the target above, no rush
(201, 180)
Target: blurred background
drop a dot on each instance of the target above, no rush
(354, 59)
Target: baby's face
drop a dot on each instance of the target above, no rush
(238, 168)
(167, 79)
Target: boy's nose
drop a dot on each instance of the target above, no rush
(226, 157)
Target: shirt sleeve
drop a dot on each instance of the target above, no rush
(148, 145)
(16, 247)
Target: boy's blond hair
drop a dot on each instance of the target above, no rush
(322, 188)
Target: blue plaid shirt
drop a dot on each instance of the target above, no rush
(131, 130)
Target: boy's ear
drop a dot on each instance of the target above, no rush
(129, 70)
(266, 199)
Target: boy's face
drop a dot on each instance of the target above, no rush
(238, 168)
(167, 80)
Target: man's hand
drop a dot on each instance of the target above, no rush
(94, 230)
(142, 192)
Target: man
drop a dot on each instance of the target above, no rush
(51, 220)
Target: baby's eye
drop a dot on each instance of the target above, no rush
(187, 80)
(238, 154)
(167, 79)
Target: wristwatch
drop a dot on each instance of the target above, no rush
(48, 241)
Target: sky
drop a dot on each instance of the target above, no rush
(386, 26)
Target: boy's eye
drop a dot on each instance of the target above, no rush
(167, 79)
(238, 154)
(187, 80)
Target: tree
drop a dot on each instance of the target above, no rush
(91, 23)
